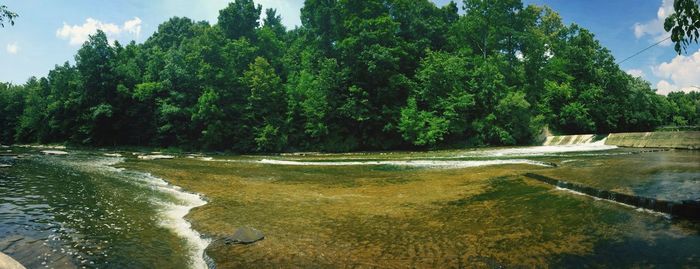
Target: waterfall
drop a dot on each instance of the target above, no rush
(563, 140)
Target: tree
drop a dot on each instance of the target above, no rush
(274, 21)
(322, 18)
(172, 33)
(12, 106)
(266, 106)
(7, 15)
(356, 75)
(99, 91)
(240, 19)
(684, 24)
(440, 103)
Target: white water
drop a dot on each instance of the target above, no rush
(568, 140)
(543, 150)
(639, 209)
(174, 218)
(172, 214)
(416, 163)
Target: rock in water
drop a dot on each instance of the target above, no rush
(54, 152)
(7, 262)
(244, 235)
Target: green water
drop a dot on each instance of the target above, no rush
(78, 211)
(470, 208)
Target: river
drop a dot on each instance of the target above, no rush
(395, 209)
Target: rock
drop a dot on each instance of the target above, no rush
(156, 157)
(244, 235)
(7, 262)
(112, 155)
(5, 166)
(34, 253)
(54, 152)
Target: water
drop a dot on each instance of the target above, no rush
(79, 211)
(394, 209)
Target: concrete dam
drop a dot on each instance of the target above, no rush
(677, 140)
(669, 140)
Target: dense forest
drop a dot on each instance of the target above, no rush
(356, 75)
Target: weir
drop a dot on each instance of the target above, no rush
(562, 140)
(685, 209)
(675, 140)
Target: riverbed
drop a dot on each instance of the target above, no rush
(459, 208)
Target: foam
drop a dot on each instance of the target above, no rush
(542, 150)
(174, 218)
(411, 163)
(172, 213)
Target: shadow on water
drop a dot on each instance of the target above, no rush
(663, 250)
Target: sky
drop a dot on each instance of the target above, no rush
(48, 33)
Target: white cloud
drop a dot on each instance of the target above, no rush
(655, 27)
(78, 34)
(680, 74)
(133, 27)
(636, 73)
(12, 48)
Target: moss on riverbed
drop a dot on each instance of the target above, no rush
(361, 216)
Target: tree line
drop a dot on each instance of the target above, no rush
(356, 75)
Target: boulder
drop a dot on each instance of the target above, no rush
(244, 235)
(7, 262)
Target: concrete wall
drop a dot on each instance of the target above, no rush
(679, 140)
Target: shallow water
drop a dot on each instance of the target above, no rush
(79, 211)
(460, 208)
(443, 209)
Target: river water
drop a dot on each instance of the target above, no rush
(82, 211)
(79, 211)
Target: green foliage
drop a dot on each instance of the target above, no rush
(239, 19)
(7, 15)
(266, 106)
(684, 24)
(422, 128)
(357, 75)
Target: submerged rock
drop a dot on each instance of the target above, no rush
(54, 152)
(156, 157)
(7, 262)
(244, 235)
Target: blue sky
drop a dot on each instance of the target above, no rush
(50, 32)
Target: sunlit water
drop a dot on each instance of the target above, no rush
(79, 210)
